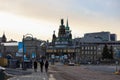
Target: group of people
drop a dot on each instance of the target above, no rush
(42, 64)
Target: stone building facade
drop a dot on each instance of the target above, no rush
(33, 48)
(92, 51)
(9, 49)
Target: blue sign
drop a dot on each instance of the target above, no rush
(33, 55)
(20, 47)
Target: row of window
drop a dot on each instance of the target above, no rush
(64, 42)
(60, 50)
(89, 48)
(69, 50)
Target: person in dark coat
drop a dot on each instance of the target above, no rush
(35, 66)
(46, 65)
(41, 65)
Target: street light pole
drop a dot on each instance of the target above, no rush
(36, 52)
(24, 68)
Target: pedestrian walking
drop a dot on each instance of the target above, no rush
(35, 66)
(46, 65)
(41, 65)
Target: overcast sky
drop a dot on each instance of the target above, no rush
(41, 17)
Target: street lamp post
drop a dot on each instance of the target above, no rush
(24, 67)
(36, 52)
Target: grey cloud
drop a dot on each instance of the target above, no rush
(53, 9)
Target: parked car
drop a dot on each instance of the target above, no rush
(71, 63)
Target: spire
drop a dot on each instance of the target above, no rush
(62, 22)
(54, 36)
(67, 23)
(3, 37)
(53, 32)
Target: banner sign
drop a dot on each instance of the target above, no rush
(20, 49)
(33, 55)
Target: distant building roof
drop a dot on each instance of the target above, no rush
(11, 41)
(10, 44)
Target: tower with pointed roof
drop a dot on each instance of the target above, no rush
(4, 39)
(68, 31)
(61, 29)
(53, 38)
(67, 27)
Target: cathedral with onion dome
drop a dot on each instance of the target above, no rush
(61, 46)
(64, 38)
